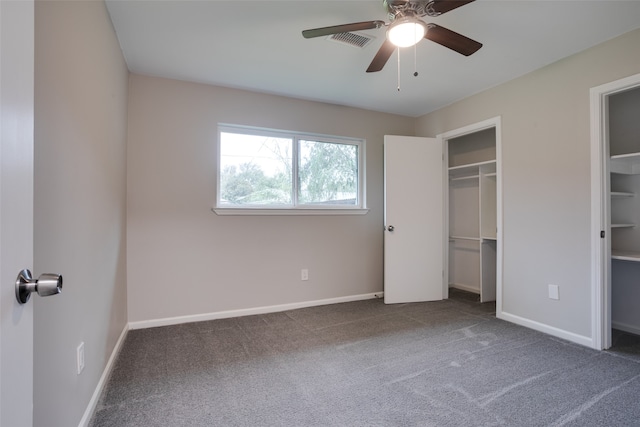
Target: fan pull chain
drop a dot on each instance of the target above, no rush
(415, 60)
(398, 69)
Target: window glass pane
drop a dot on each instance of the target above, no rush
(328, 173)
(255, 170)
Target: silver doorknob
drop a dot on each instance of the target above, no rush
(47, 284)
(390, 228)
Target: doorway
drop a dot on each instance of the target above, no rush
(473, 210)
(615, 187)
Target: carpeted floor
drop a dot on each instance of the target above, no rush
(446, 363)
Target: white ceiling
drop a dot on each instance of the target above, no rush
(257, 45)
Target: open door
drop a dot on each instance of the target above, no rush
(414, 220)
(16, 209)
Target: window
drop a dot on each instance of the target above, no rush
(269, 169)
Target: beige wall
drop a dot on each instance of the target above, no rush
(546, 173)
(185, 260)
(80, 183)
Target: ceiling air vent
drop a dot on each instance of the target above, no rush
(351, 39)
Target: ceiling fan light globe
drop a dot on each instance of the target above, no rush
(407, 32)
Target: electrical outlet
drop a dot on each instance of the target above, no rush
(554, 292)
(304, 274)
(80, 357)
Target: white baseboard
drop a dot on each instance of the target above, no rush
(632, 329)
(248, 311)
(541, 327)
(84, 422)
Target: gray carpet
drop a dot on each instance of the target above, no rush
(446, 363)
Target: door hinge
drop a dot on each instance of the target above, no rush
(602, 234)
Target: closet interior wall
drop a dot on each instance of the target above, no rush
(472, 213)
(624, 149)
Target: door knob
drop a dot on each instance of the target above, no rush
(47, 284)
(390, 228)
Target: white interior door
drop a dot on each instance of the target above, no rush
(414, 220)
(16, 209)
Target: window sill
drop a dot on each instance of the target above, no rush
(293, 211)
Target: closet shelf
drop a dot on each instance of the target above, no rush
(625, 255)
(622, 225)
(628, 164)
(621, 194)
(476, 239)
(460, 178)
(471, 168)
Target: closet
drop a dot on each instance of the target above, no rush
(624, 191)
(472, 212)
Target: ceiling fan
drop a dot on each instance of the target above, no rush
(405, 28)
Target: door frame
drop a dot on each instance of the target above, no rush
(494, 122)
(600, 209)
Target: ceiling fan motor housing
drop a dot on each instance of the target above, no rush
(402, 8)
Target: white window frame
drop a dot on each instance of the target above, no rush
(293, 209)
